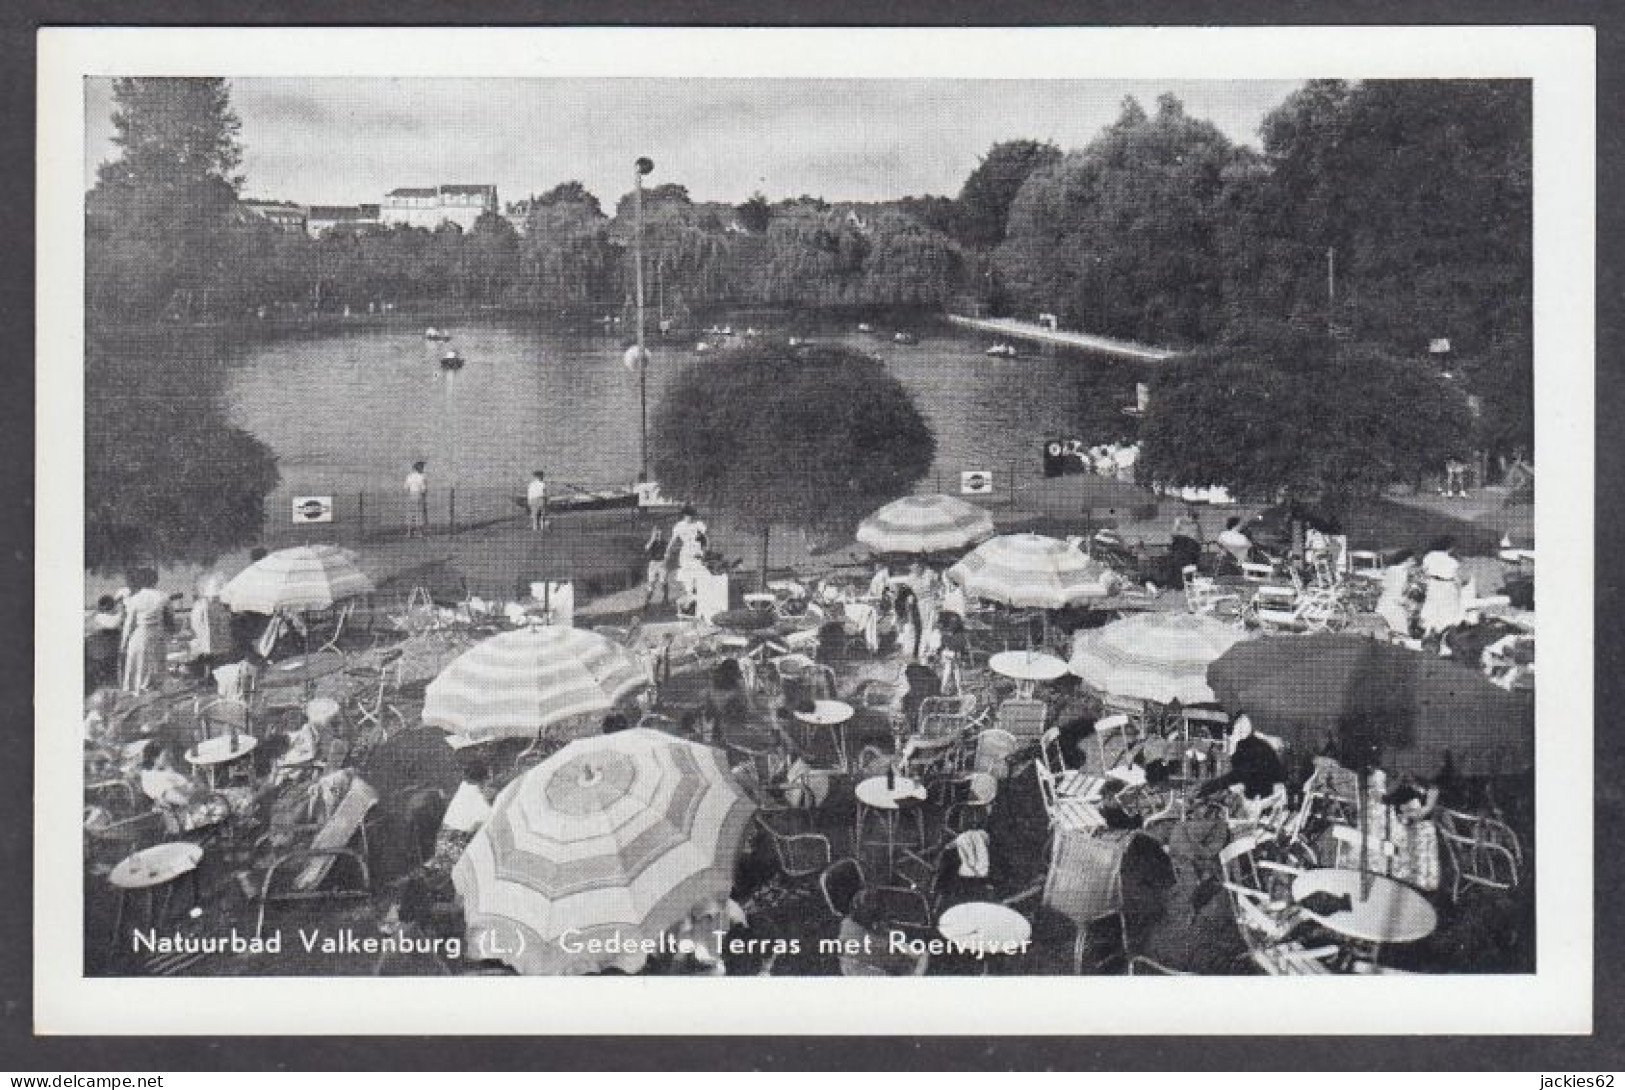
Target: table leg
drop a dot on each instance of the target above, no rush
(840, 748)
(118, 923)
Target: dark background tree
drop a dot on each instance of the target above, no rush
(755, 214)
(812, 438)
(167, 477)
(990, 190)
(1120, 238)
(1278, 409)
(159, 214)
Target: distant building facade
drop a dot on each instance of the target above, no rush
(283, 215)
(430, 206)
(322, 218)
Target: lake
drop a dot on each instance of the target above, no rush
(351, 410)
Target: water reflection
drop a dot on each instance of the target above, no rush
(352, 411)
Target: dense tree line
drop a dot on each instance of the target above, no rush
(1389, 216)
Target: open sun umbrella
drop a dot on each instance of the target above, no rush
(925, 524)
(1161, 657)
(308, 577)
(1383, 706)
(1031, 572)
(611, 842)
(515, 684)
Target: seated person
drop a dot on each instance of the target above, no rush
(430, 884)
(187, 804)
(1255, 766)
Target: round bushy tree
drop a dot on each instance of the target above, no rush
(813, 438)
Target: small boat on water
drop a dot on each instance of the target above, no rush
(451, 361)
(607, 499)
(702, 347)
(865, 327)
(905, 337)
(1004, 351)
(433, 334)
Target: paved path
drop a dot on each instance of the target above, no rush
(1010, 327)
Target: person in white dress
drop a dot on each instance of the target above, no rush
(1442, 608)
(1393, 605)
(143, 640)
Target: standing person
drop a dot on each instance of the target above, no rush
(536, 500)
(211, 626)
(1442, 607)
(690, 530)
(1455, 477)
(1393, 605)
(142, 642)
(417, 500)
(655, 551)
(102, 645)
(1234, 540)
(910, 628)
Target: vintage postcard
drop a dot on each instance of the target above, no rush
(1026, 513)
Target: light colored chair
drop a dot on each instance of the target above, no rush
(1022, 718)
(1203, 595)
(800, 854)
(1114, 742)
(1075, 813)
(1483, 851)
(992, 752)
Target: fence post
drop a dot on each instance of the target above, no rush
(451, 510)
(361, 515)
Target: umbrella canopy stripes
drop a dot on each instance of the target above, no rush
(1030, 571)
(919, 525)
(517, 683)
(591, 859)
(309, 577)
(1160, 657)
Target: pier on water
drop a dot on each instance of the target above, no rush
(1030, 331)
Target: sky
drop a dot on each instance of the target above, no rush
(350, 140)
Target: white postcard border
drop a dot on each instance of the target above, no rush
(1556, 999)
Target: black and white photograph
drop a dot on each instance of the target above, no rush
(1017, 525)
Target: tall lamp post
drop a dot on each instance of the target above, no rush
(641, 167)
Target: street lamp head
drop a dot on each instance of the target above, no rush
(645, 165)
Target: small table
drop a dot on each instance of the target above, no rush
(983, 927)
(1027, 667)
(906, 797)
(1390, 912)
(834, 714)
(148, 871)
(224, 749)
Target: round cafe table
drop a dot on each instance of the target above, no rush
(213, 753)
(875, 798)
(147, 872)
(982, 927)
(1027, 667)
(833, 715)
(1390, 912)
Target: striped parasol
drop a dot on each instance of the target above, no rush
(1031, 572)
(515, 684)
(308, 577)
(925, 524)
(1161, 657)
(611, 843)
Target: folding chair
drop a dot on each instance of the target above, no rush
(1023, 718)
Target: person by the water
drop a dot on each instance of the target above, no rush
(417, 500)
(536, 500)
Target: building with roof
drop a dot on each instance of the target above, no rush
(283, 215)
(355, 218)
(430, 206)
